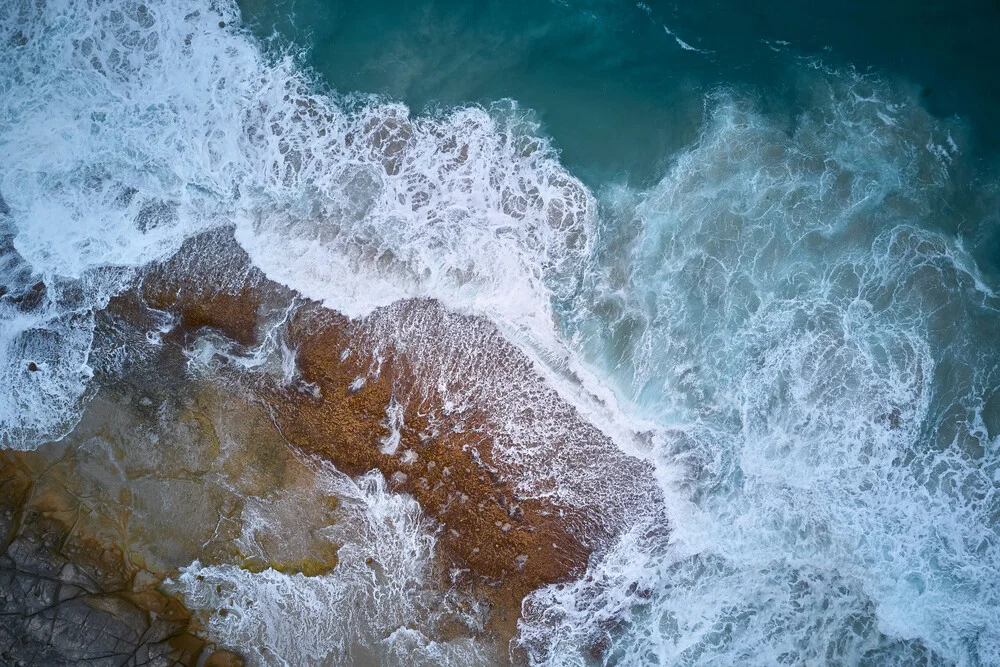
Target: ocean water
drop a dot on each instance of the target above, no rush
(764, 242)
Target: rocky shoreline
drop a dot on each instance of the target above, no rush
(71, 595)
(447, 410)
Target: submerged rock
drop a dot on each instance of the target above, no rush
(184, 459)
(503, 462)
(91, 526)
(66, 600)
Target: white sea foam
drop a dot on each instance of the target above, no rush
(469, 207)
(376, 607)
(819, 363)
(127, 127)
(46, 331)
(113, 132)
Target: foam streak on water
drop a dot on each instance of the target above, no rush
(790, 304)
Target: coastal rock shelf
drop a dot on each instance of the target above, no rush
(220, 400)
(80, 581)
(442, 404)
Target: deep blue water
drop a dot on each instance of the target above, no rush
(616, 91)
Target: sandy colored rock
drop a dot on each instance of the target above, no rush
(69, 599)
(224, 659)
(447, 409)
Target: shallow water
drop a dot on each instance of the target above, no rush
(757, 248)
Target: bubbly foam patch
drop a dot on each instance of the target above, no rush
(46, 332)
(130, 126)
(790, 304)
(116, 127)
(119, 127)
(675, 607)
(469, 206)
(377, 605)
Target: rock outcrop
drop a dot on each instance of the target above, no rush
(68, 600)
(524, 488)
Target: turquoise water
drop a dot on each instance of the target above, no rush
(766, 238)
(777, 185)
(619, 93)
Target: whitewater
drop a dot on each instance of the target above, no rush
(791, 325)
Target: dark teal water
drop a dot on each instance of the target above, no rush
(620, 96)
(615, 90)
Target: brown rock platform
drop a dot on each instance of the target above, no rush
(451, 412)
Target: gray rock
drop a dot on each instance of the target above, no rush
(57, 612)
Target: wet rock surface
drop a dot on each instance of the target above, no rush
(161, 470)
(66, 601)
(448, 410)
(218, 397)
